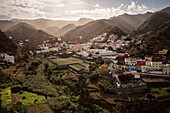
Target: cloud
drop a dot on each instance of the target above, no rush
(97, 5)
(134, 8)
(65, 9)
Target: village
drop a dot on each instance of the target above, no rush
(114, 75)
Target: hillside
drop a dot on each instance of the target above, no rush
(116, 30)
(152, 23)
(154, 41)
(7, 45)
(131, 22)
(65, 29)
(5, 24)
(165, 10)
(23, 31)
(86, 31)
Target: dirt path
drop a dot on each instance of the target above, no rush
(33, 110)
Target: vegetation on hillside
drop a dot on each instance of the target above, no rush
(151, 24)
(7, 45)
(153, 42)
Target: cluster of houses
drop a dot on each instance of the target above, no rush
(114, 41)
(47, 47)
(7, 58)
(138, 65)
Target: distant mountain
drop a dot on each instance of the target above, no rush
(51, 26)
(52, 30)
(5, 24)
(82, 21)
(125, 22)
(131, 22)
(165, 10)
(7, 45)
(154, 41)
(65, 29)
(24, 31)
(152, 23)
(44, 23)
(86, 31)
(21, 31)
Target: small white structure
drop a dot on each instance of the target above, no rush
(8, 58)
(83, 53)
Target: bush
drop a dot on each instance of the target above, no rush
(31, 68)
(59, 103)
(36, 64)
(149, 96)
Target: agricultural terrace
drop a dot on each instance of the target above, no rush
(160, 92)
(30, 99)
(77, 67)
(6, 96)
(68, 61)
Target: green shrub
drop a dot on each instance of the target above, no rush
(6, 96)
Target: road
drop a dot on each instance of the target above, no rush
(159, 75)
(114, 72)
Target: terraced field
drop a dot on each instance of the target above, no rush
(77, 67)
(68, 61)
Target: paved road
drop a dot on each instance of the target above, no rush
(114, 72)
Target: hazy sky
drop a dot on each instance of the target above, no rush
(75, 9)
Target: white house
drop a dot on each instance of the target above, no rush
(83, 53)
(166, 69)
(131, 61)
(147, 69)
(3, 55)
(157, 65)
(148, 63)
(8, 58)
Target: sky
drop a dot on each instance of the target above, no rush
(76, 9)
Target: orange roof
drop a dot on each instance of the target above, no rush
(126, 73)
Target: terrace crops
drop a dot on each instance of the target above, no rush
(6, 96)
(68, 61)
(76, 67)
(29, 99)
(161, 91)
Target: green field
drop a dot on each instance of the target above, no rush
(162, 91)
(30, 99)
(68, 61)
(77, 67)
(6, 96)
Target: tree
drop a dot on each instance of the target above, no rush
(120, 108)
(26, 56)
(110, 48)
(90, 55)
(97, 53)
(82, 84)
(46, 67)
